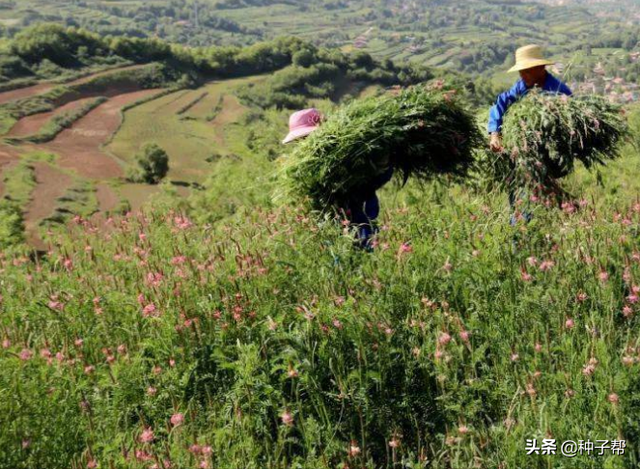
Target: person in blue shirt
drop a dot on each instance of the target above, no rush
(531, 65)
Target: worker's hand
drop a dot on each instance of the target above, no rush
(496, 143)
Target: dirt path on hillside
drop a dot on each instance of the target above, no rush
(51, 184)
(107, 198)
(32, 124)
(42, 88)
(79, 147)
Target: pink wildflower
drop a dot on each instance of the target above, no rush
(26, 354)
(177, 419)
(287, 418)
(354, 449)
(149, 310)
(546, 265)
(394, 443)
(444, 338)
(147, 436)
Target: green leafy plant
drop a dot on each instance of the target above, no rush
(152, 165)
(420, 132)
(544, 135)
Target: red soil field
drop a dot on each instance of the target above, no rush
(79, 147)
(31, 124)
(51, 184)
(22, 93)
(42, 88)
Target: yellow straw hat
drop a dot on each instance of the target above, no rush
(528, 57)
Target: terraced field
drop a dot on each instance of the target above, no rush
(188, 125)
(395, 26)
(82, 169)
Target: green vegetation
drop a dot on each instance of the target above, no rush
(421, 133)
(11, 224)
(546, 135)
(19, 181)
(152, 165)
(475, 37)
(222, 327)
(267, 341)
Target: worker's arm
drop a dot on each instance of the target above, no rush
(497, 112)
(564, 89)
(501, 105)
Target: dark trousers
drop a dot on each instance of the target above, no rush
(364, 208)
(516, 194)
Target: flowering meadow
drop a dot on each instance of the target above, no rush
(267, 341)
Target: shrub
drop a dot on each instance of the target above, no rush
(11, 224)
(152, 165)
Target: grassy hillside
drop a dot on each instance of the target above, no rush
(267, 341)
(208, 322)
(208, 108)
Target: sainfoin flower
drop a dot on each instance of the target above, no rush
(147, 436)
(354, 449)
(177, 419)
(287, 418)
(444, 338)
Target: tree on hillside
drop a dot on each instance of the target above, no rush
(152, 165)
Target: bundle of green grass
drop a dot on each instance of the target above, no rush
(421, 132)
(545, 134)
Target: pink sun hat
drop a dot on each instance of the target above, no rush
(302, 123)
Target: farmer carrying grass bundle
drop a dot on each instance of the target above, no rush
(417, 132)
(545, 132)
(531, 65)
(363, 206)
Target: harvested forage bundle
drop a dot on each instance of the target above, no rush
(419, 132)
(545, 134)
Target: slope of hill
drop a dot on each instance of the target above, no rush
(206, 323)
(90, 129)
(266, 341)
(472, 36)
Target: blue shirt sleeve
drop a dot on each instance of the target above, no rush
(501, 105)
(554, 85)
(564, 89)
